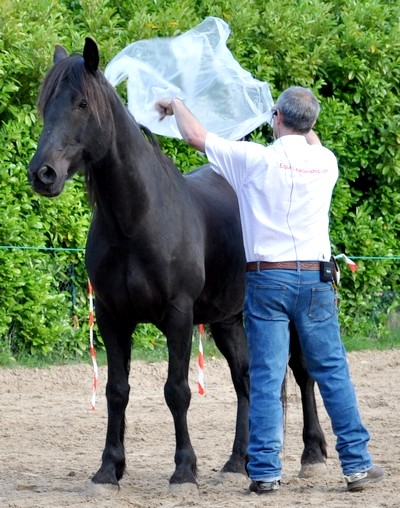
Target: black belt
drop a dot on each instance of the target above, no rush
(255, 266)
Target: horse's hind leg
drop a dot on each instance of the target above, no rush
(315, 447)
(231, 340)
(118, 347)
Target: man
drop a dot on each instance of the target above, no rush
(284, 193)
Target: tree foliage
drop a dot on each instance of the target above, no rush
(347, 52)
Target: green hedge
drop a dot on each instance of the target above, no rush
(348, 52)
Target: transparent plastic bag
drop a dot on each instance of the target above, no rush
(198, 67)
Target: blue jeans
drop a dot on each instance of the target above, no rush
(273, 298)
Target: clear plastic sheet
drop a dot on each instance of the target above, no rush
(198, 67)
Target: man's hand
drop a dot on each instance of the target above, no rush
(164, 107)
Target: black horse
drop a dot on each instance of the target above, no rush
(162, 248)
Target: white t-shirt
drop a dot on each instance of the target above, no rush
(284, 193)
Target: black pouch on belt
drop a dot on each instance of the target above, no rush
(326, 271)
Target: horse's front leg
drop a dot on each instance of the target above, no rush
(178, 328)
(315, 446)
(118, 347)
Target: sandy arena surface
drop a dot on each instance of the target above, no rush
(51, 442)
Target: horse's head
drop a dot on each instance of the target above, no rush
(77, 119)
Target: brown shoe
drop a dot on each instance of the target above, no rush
(358, 481)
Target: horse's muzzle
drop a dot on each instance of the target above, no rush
(45, 181)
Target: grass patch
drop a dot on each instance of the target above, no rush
(361, 343)
(158, 353)
(41, 361)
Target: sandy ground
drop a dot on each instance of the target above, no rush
(51, 442)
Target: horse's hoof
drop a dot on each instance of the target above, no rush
(317, 470)
(103, 477)
(236, 465)
(184, 488)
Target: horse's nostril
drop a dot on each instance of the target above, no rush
(47, 175)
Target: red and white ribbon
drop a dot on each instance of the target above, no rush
(200, 363)
(92, 350)
(350, 263)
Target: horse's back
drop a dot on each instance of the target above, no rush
(214, 197)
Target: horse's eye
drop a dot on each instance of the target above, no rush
(83, 104)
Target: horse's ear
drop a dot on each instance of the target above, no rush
(59, 54)
(91, 55)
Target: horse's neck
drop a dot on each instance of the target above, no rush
(131, 182)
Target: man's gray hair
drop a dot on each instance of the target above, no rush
(299, 107)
